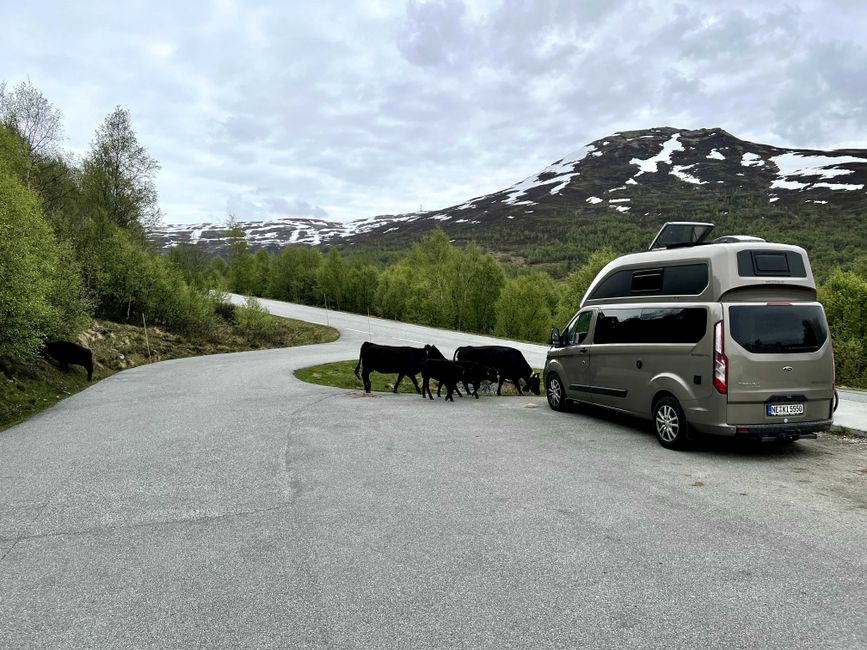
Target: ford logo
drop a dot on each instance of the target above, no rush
(787, 368)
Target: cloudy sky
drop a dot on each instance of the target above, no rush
(344, 109)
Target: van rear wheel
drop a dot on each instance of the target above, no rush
(669, 423)
(556, 394)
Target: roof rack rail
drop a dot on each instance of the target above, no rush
(733, 239)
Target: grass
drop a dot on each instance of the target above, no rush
(26, 389)
(340, 374)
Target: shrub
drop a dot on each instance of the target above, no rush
(844, 297)
(223, 308)
(254, 322)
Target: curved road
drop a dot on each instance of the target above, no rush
(220, 502)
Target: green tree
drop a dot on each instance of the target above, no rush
(394, 292)
(476, 283)
(260, 272)
(26, 111)
(28, 270)
(13, 154)
(192, 261)
(119, 173)
(362, 281)
(578, 282)
(525, 307)
(294, 275)
(332, 278)
(240, 272)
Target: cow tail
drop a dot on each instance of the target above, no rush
(357, 366)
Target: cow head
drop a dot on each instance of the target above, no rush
(433, 352)
(534, 384)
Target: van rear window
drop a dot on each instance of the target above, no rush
(773, 329)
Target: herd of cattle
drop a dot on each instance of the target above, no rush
(471, 365)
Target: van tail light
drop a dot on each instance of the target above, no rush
(720, 360)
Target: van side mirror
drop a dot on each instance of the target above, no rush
(555, 338)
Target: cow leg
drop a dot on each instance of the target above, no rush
(397, 383)
(500, 385)
(439, 386)
(415, 383)
(517, 383)
(449, 397)
(365, 377)
(425, 387)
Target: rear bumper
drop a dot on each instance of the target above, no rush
(788, 431)
(769, 432)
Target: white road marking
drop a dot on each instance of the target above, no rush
(359, 331)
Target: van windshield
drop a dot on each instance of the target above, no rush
(768, 329)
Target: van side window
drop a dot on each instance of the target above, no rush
(680, 280)
(577, 330)
(651, 325)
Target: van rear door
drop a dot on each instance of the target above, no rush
(780, 363)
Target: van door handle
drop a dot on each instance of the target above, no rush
(639, 363)
(583, 350)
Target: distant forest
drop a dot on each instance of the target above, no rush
(73, 247)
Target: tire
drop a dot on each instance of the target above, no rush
(556, 393)
(669, 423)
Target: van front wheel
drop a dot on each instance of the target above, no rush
(556, 395)
(669, 423)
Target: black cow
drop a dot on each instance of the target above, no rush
(66, 353)
(444, 371)
(389, 358)
(508, 362)
(475, 374)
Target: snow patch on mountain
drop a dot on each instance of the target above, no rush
(680, 172)
(649, 165)
(559, 174)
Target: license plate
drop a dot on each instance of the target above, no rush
(785, 409)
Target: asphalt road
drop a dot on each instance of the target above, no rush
(220, 502)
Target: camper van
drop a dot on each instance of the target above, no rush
(724, 338)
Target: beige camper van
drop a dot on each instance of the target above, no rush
(723, 338)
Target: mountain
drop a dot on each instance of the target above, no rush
(632, 178)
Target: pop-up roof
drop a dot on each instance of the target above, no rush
(681, 233)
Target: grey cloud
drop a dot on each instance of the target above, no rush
(434, 32)
(261, 205)
(245, 128)
(818, 108)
